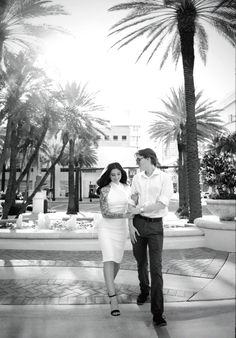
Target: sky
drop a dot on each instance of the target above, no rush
(128, 90)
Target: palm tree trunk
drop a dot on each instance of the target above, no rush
(3, 177)
(48, 172)
(6, 144)
(185, 184)
(71, 209)
(183, 209)
(35, 153)
(11, 186)
(53, 175)
(181, 178)
(77, 188)
(52, 185)
(27, 186)
(80, 185)
(187, 49)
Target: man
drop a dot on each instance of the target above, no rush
(152, 189)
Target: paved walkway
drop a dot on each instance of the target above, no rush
(43, 288)
(45, 294)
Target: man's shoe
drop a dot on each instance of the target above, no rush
(159, 321)
(141, 299)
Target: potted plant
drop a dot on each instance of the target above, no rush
(218, 170)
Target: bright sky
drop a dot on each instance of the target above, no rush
(127, 89)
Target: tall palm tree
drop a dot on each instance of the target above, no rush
(85, 157)
(16, 32)
(49, 155)
(170, 126)
(178, 25)
(21, 112)
(22, 79)
(78, 104)
(29, 111)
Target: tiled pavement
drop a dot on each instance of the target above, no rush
(197, 262)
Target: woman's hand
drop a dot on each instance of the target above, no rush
(134, 198)
(133, 232)
(133, 210)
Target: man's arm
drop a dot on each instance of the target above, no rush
(163, 200)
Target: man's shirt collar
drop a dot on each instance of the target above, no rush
(156, 171)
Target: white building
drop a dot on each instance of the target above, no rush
(119, 145)
(228, 105)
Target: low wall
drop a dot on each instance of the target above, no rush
(32, 239)
(219, 235)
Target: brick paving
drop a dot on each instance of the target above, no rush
(29, 291)
(197, 262)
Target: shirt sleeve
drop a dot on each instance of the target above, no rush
(134, 186)
(166, 189)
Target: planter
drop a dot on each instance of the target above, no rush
(219, 235)
(224, 209)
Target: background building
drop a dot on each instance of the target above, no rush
(229, 111)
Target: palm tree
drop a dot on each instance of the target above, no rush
(170, 126)
(85, 157)
(223, 143)
(48, 155)
(21, 111)
(16, 32)
(178, 24)
(78, 103)
(22, 79)
(29, 111)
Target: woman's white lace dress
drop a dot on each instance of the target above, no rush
(113, 232)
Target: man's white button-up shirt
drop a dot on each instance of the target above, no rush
(151, 189)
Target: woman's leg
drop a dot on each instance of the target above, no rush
(109, 273)
(116, 269)
(109, 270)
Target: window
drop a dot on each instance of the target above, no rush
(115, 137)
(107, 137)
(124, 137)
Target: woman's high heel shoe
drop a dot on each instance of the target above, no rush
(114, 312)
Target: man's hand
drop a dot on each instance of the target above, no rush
(133, 232)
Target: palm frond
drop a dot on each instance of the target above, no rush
(157, 20)
(17, 10)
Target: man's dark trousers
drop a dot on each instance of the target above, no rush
(151, 237)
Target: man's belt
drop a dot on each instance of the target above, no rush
(149, 219)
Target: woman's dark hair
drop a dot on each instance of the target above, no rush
(149, 153)
(105, 178)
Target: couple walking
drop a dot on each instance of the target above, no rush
(141, 207)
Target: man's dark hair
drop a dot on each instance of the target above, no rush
(149, 153)
(105, 179)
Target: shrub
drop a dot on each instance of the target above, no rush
(219, 172)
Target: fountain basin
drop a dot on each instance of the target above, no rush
(176, 234)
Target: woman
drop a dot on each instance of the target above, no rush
(114, 195)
